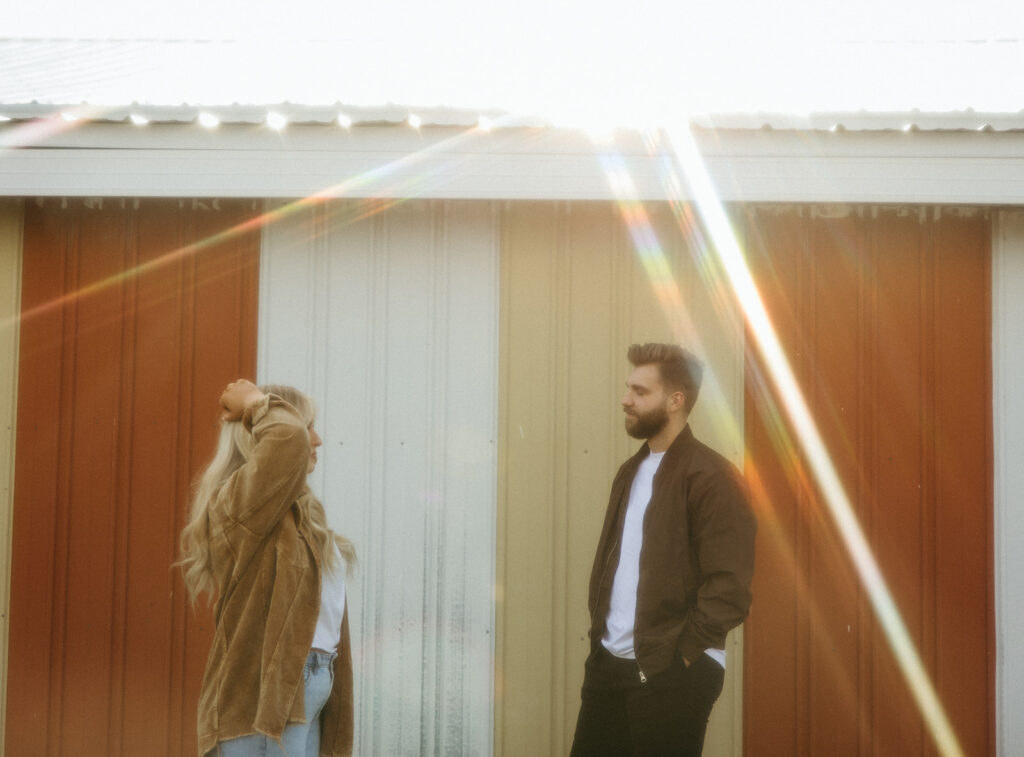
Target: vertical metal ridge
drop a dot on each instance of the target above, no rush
(128, 290)
(317, 324)
(377, 364)
(432, 650)
(867, 381)
(448, 583)
(184, 398)
(928, 476)
(69, 325)
(561, 322)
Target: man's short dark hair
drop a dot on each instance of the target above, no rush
(680, 369)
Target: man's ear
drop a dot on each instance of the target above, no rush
(677, 400)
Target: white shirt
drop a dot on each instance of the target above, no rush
(618, 635)
(332, 605)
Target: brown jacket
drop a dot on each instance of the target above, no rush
(697, 558)
(268, 578)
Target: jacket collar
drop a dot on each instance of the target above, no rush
(675, 449)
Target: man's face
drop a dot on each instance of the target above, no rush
(645, 402)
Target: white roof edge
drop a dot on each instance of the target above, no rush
(748, 166)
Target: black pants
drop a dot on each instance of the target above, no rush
(666, 716)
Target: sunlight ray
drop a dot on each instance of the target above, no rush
(783, 380)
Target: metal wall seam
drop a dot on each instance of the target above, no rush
(1008, 449)
(10, 307)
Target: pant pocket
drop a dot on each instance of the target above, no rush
(707, 678)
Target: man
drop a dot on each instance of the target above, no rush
(671, 575)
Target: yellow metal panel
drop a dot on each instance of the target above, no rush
(10, 289)
(577, 289)
(527, 593)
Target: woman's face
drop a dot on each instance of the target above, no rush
(314, 442)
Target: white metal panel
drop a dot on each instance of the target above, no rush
(389, 320)
(1008, 449)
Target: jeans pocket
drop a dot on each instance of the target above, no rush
(318, 691)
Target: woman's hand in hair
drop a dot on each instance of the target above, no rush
(237, 397)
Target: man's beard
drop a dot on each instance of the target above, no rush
(648, 425)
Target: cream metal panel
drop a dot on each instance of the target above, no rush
(389, 320)
(1008, 447)
(575, 294)
(10, 299)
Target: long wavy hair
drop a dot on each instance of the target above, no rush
(234, 446)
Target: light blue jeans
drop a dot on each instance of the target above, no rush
(299, 739)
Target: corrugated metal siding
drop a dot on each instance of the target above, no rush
(122, 359)
(388, 316)
(885, 317)
(10, 296)
(575, 294)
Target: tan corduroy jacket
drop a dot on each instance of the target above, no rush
(268, 576)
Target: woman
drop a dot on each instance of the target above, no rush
(278, 680)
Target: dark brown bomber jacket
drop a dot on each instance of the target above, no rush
(697, 558)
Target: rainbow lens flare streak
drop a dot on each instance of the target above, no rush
(648, 248)
(724, 241)
(658, 269)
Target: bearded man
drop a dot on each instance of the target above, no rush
(671, 575)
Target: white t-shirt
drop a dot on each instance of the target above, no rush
(332, 605)
(618, 635)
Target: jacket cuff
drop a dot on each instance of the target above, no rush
(254, 413)
(690, 649)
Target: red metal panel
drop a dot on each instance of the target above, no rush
(961, 447)
(133, 317)
(885, 319)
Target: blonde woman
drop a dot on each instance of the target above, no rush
(278, 680)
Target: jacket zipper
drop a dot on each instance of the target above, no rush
(643, 678)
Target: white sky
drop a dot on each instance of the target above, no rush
(573, 60)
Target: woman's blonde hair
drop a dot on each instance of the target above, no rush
(235, 446)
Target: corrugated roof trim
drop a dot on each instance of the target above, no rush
(909, 121)
(281, 115)
(275, 115)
